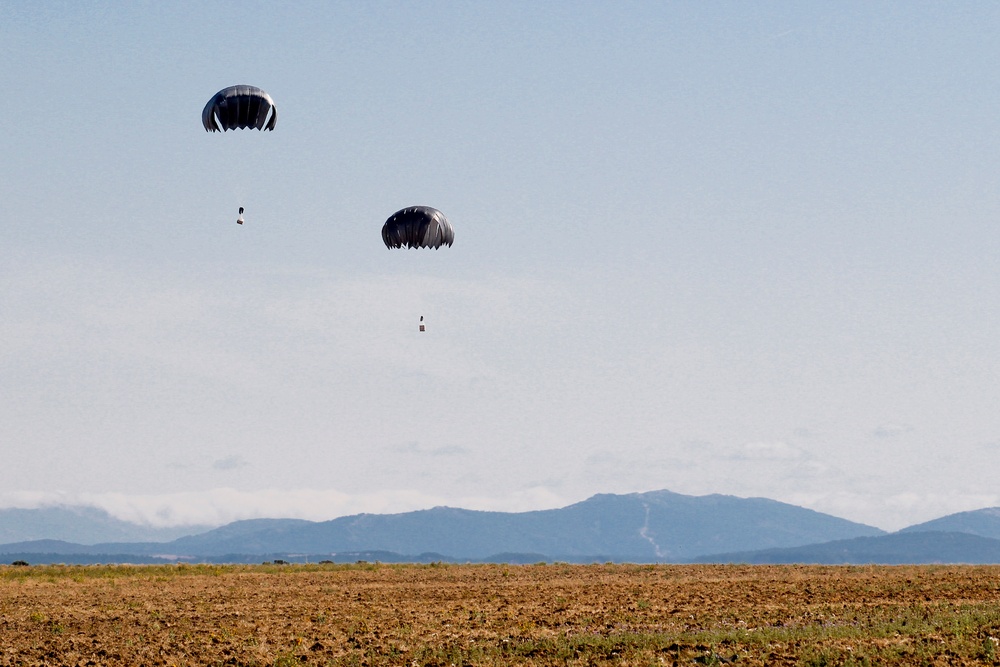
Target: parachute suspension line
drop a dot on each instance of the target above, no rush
(418, 227)
(241, 108)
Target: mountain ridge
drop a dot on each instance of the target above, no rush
(649, 527)
(652, 526)
(900, 548)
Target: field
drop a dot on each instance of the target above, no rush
(556, 614)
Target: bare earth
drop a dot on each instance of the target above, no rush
(376, 614)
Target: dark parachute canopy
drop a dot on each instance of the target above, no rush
(239, 107)
(417, 227)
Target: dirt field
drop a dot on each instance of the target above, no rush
(373, 614)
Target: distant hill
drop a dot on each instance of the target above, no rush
(86, 525)
(902, 548)
(984, 522)
(654, 526)
(658, 526)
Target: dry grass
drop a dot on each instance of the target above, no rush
(498, 615)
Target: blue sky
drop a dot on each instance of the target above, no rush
(741, 248)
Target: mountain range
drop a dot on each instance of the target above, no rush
(87, 525)
(901, 548)
(656, 526)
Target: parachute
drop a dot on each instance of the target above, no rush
(239, 107)
(417, 227)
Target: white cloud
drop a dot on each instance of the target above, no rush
(892, 430)
(425, 450)
(768, 451)
(892, 511)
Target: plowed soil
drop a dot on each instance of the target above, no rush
(375, 614)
